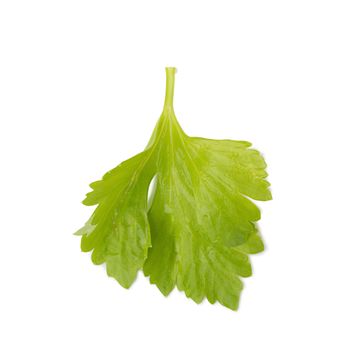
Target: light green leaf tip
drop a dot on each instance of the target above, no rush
(199, 226)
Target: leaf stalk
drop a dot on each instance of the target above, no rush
(169, 92)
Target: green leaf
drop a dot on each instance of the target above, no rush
(198, 227)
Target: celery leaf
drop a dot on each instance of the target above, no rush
(199, 227)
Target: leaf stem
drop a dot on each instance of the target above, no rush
(169, 92)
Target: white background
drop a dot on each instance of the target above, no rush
(81, 88)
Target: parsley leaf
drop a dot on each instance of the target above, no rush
(198, 228)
